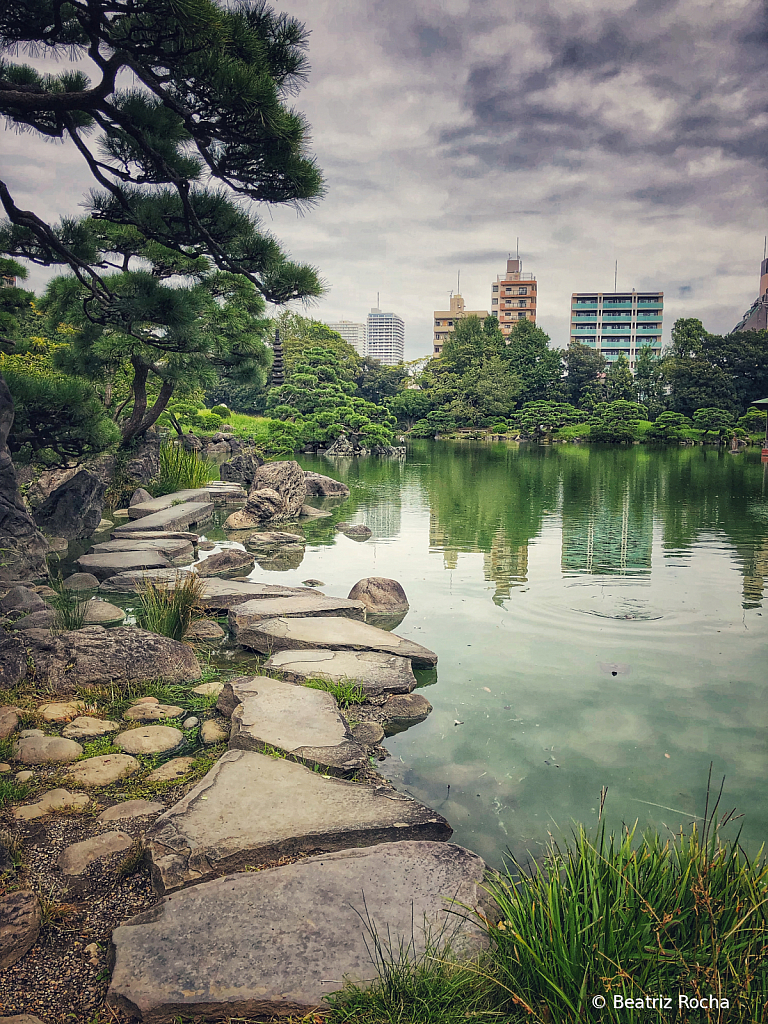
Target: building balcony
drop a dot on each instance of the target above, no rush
(617, 304)
(585, 304)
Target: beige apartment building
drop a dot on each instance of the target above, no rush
(513, 296)
(445, 320)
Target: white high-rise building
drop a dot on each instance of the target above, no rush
(386, 337)
(353, 333)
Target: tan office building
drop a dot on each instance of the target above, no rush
(513, 297)
(445, 320)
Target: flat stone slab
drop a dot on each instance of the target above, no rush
(272, 539)
(130, 582)
(221, 595)
(103, 770)
(229, 562)
(302, 605)
(162, 535)
(175, 549)
(75, 859)
(102, 613)
(275, 942)
(212, 732)
(60, 711)
(178, 517)
(208, 689)
(109, 563)
(375, 671)
(330, 633)
(53, 800)
(299, 721)
(41, 749)
(86, 728)
(131, 809)
(152, 711)
(165, 501)
(251, 808)
(150, 739)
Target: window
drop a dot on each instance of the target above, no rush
(507, 291)
(521, 316)
(522, 302)
(495, 288)
(450, 323)
(522, 291)
(495, 312)
(494, 302)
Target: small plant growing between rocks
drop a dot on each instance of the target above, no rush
(133, 860)
(170, 611)
(345, 691)
(12, 792)
(11, 852)
(70, 606)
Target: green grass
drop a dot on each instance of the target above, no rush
(112, 701)
(170, 611)
(180, 469)
(12, 792)
(70, 606)
(345, 692)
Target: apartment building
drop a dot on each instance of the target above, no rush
(445, 320)
(354, 334)
(756, 317)
(513, 296)
(618, 323)
(386, 337)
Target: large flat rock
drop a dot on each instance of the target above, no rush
(109, 563)
(251, 808)
(301, 605)
(326, 633)
(304, 723)
(276, 942)
(148, 508)
(221, 595)
(375, 671)
(175, 549)
(130, 582)
(177, 517)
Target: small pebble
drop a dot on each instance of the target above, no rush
(190, 723)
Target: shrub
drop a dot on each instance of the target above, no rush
(170, 610)
(70, 606)
(220, 410)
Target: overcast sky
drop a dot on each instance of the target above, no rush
(594, 131)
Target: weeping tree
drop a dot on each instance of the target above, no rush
(172, 254)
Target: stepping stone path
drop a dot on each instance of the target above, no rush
(175, 550)
(243, 616)
(131, 809)
(275, 942)
(34, 747)
(8, 722)
(171, 770)
(221, 595)
(143, 509)
(173, 519)
(102, 613)
(109, 563)
(130, 582)
(88, 728)
(204, 631)
(152, 739)
(331, 633)
(103, 770)
(302, 722)
(162, 535)
(251, 808)
(20, 921)
(270, 540)
(53, 800)
(152, 712)
(76, 859)
(81, 581)
(375, 671)
(208, 689)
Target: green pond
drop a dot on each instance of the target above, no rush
(598, 617)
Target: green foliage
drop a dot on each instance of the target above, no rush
(345, 691)
(180, 469)
(220, 410)
(536, 365)
(11, 791)
(616, 422)
(540, 419)
(377, 383)
(669, 426)
(70, 606)
(753, 421)
(321, 404)
(409, 405)
(714, 421)
(170, 610)
(584, 367)
(650, 381)
(620, 386)
(300, 334)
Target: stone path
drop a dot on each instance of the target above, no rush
(306, 723)
(176, 549)
(178, 517)
(165, 501)
(221, 595)
(375, 671)
(276, 941)
(329, 633)
(301, 605)
(251, 808)
(109, 563)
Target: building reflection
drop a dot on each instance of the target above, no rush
(504, 564)
(755, 571)
(606, 540)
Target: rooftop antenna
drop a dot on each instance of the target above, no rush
(765, 246)
(615, 274)
(458, 283)
(378, 304)
(517, 248)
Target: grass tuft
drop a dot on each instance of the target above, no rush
(70, 606)
(180, 469)
(170, 611)
(12, 849)
(12, 792)
(345, 692)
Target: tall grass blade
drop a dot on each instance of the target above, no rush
(169, 610)
(181, 469)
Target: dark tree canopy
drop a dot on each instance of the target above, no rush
(201, 98)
